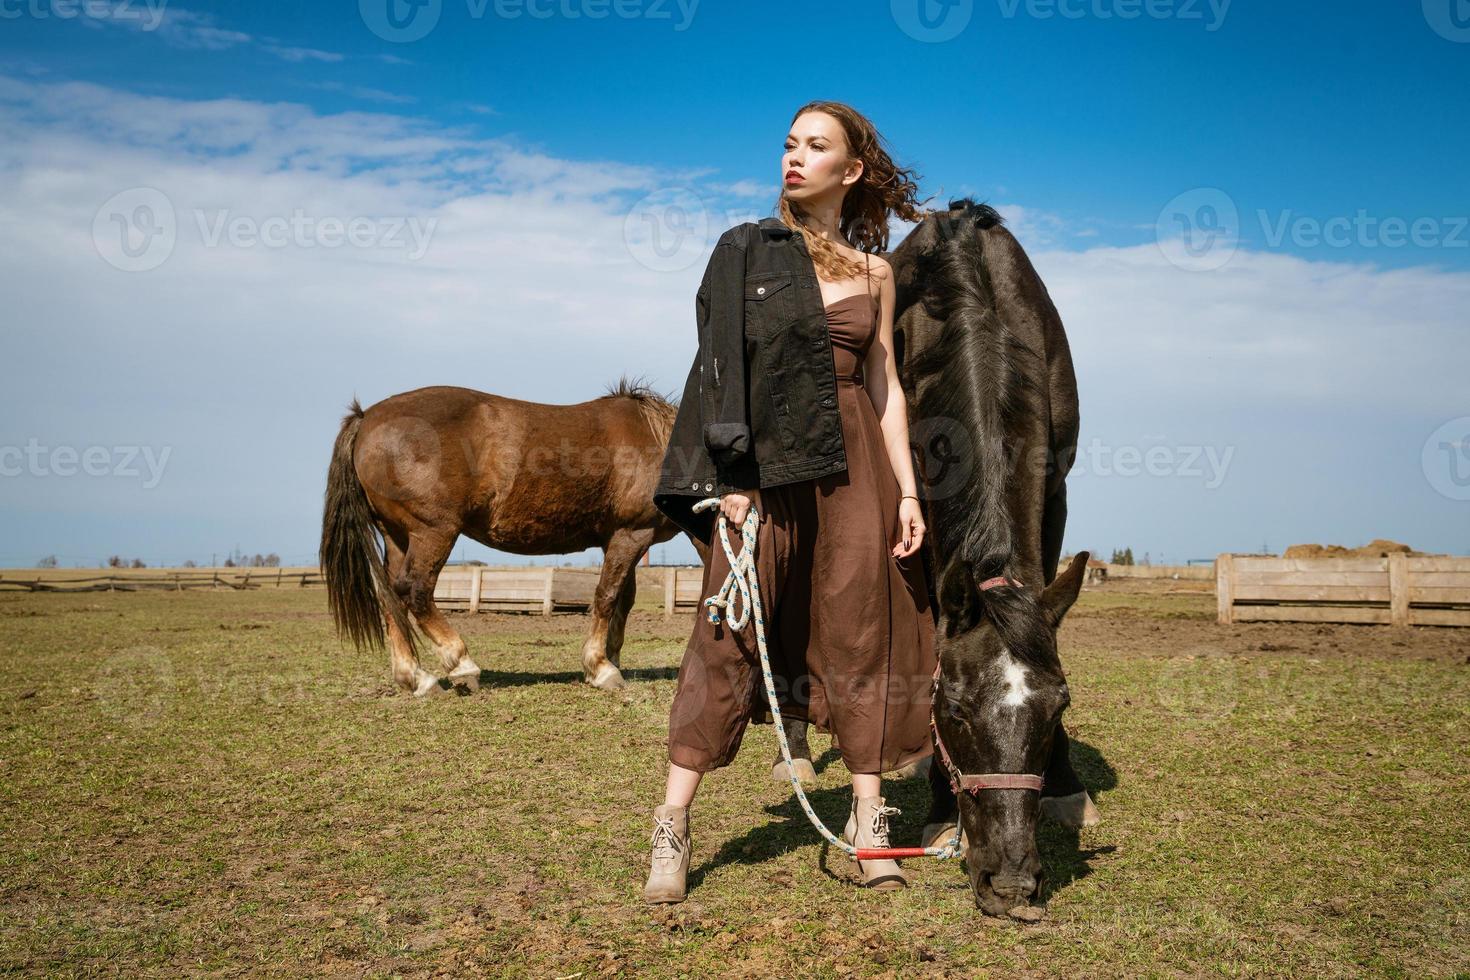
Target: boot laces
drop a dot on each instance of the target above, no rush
(880, 823)
(666, 843)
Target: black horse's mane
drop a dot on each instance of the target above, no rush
(980, 384)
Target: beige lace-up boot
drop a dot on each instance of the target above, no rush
(867, 826)
(670, 860)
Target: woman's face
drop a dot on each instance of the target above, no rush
(816, 164)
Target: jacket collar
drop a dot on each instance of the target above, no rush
(774, 228)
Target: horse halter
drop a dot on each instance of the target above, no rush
(975, 782)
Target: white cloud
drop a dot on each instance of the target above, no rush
(533, 285)
(287, 53)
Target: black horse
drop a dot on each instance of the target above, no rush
(993, 411)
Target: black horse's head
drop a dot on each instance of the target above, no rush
(1000, 700)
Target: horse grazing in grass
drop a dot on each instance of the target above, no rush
(993, 408)
(425, 466)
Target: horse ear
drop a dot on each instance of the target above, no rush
(1062, 592)
(959, 599)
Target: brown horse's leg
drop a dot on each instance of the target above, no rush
(451, 646)
(406, 670)
(603, 646)
(427, 552)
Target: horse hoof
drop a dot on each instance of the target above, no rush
(1075, 811)
(469, 679)
(608, 678)
(803, 769)
(940, 834)
(428, 687)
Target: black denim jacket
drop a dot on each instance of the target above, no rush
(759, 407)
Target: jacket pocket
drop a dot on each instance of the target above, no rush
(770, 303)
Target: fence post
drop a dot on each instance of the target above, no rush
(546, 602)
(671, 575)
(477, 576)
(1398, 589)
(1225, 588)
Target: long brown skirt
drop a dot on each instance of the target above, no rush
(848, 626)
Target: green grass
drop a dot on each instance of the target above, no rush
(207, 783)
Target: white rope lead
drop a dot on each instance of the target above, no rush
(742, 581)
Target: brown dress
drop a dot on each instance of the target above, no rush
(848, 626)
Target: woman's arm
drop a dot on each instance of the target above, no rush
(880, 379)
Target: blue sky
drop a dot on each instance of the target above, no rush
(1253, 217)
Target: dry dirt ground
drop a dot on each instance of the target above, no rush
(207, 783)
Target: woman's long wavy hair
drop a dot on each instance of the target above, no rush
(884, 189)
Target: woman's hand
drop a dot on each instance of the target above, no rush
(910, 527)
(735, 504)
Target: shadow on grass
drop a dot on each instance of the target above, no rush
(529, 678)
(1063, 857)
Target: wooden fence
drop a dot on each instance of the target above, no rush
(137, 580)
(682, 588)
(1398, 590)
(543, 590)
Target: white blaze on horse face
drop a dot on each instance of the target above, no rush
(1013, 675)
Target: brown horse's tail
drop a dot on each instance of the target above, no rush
(357, 580)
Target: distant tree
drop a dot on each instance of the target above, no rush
(229, 563)
(272, 560)
(115, 561)
(48, 562)
(137, 563)
(189, 563)
(1128, 555)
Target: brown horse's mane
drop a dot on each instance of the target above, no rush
(658, 410)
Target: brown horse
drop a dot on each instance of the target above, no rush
(425, 466)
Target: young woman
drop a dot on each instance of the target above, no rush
(822, 453)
